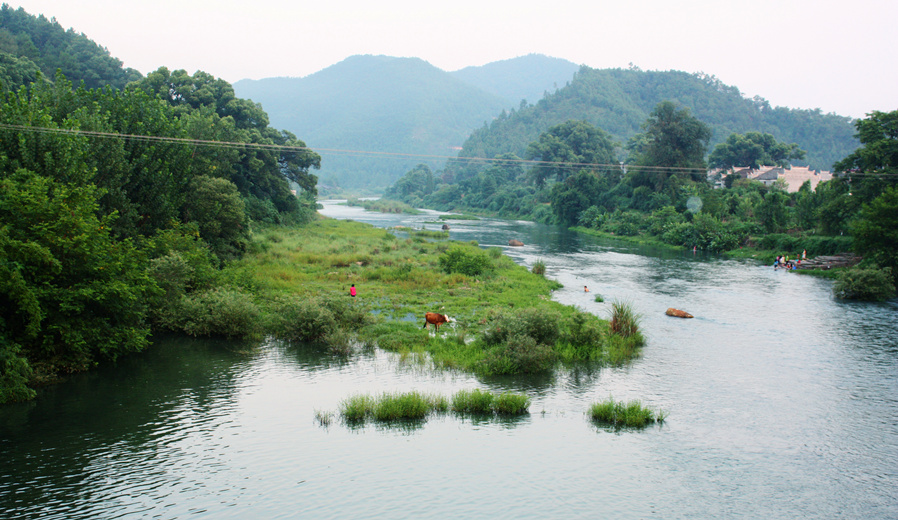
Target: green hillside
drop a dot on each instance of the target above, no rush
(524, 78)
(33, 43)
(618, 101)
(375, 104)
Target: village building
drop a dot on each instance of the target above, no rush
(793, 177)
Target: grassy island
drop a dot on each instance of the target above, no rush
(507, 323)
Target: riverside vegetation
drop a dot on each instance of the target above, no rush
(295, 285)
(416, 406)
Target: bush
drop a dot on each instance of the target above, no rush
(520, 354)
(220, 312)
(583, 330)
(865, 284)
(297, 319)
(465, 260)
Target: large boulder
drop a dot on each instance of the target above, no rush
(515, 242)
(678, 313)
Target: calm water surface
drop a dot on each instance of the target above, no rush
(782, 403)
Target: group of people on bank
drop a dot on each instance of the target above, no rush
(783, 262)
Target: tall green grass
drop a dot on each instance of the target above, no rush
(416, 406)
(618, 413)
(624, 320)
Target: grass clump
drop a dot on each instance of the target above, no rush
(357, 408)
(539, 268)
(479, 402)
(391, 407)
(620, 414)
(624, 320)
(511, 404)
(417, 406)
(599, 298)
(473, 402)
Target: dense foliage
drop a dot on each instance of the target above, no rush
(33, 43)
(115, 209)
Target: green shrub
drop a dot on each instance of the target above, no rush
(539, 268)
(519, 354)
(172, 274)
(865, 284)
(583, 330)
(465, 260)
(220, 312)
(298, 319)
(14, 374)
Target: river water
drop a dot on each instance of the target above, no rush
(781, 402)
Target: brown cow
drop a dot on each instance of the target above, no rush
(432, 318)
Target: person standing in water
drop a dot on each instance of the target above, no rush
(585, 289)
(352, 291)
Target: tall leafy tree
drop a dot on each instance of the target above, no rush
(753, 150)
(876, 231)
(674, 146)
(568, 148)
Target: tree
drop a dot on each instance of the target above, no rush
(573, 196)
(569, 147)
(878, 134)
(876, 231)
(753, 150)
(673, 146)
(71, 294)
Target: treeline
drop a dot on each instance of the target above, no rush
(118, 206)
(31, 44)
(618, 101)
(569, 175)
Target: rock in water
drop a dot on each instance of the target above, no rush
(678, 313)
(514, 242)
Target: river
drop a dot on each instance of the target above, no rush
(781, 402)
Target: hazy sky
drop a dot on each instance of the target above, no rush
(839, 56)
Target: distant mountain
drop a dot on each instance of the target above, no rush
(29, 43)
(619, 101)
(392, 105)
(524, 78)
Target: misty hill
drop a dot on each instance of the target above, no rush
(393, 105)
(523, 78)
(618, 101)
(33, 43)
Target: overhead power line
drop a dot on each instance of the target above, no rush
(365, 153)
